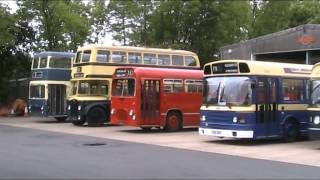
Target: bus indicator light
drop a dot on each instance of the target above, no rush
(316, 120)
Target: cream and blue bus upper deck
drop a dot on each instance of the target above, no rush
(92, 75)
(251, 99)
(314, 106)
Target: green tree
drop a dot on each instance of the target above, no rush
(60, 25)
(98, 20)
(271, 16)
(121, 19)
(16, 40)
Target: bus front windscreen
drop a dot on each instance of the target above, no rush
(228, 91)
(315, 92)
(123, 87)
(93, 88)
(37, 91)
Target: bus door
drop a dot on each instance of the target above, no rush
(56, 99)
(266, 107)
(150, 101)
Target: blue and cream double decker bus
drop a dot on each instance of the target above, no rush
(94, 65)
(50, 76)
(314, 106)
(251, 99)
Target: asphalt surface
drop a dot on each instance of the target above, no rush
(36, 154)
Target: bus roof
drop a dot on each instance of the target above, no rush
(315, 73)
(161, 72)
(55, 54)
(232, 67)
(132, 48)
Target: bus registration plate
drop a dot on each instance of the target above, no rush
(216, 132)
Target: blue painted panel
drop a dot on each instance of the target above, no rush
(34, 107)
(52, 74)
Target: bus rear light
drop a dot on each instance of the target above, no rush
(203, 118)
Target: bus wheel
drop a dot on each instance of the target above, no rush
(146, 128)
(78, 123)
(290, 131)
(60, 119)
(173, 122)
(96, 117)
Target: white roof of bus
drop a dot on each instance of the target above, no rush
(271, 68)
(132, 48)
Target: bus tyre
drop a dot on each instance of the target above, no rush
(60, 119)
(146, 128)
(78, 123)
(96, 117)
(290, 131)
(173, 122)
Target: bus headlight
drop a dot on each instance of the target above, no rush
(203, 118)
(134, 117)
(42, 108)
(316, 120)
(29, 107)
(235, 119)
(112, 111)
(79, 107)
(131, 112)
(69, 107)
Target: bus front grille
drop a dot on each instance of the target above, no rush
(57, 100)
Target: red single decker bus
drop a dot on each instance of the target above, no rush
(156, 97)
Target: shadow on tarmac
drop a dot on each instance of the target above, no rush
(156, 131)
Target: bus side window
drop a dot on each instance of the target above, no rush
(134, 58)
(190, 61)
(102, 56)
(261, 92)
(177, 60)
(119, 57)
(292, 90)
(164, 59)
(149, 59)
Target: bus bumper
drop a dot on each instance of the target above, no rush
(314, 132)
(225, 133)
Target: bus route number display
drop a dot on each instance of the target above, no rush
(124, 72)
(225, 68)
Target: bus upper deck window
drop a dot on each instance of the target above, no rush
(177, 60)
(86, 56)
(207, 69)
(78, 57)
(189, 61)
(60, 62)
(149, 59)
(244, 68)
(102, 56)
(134, 58)
(119, 57)
(163, 59)
(43, 62)
(35, 63)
